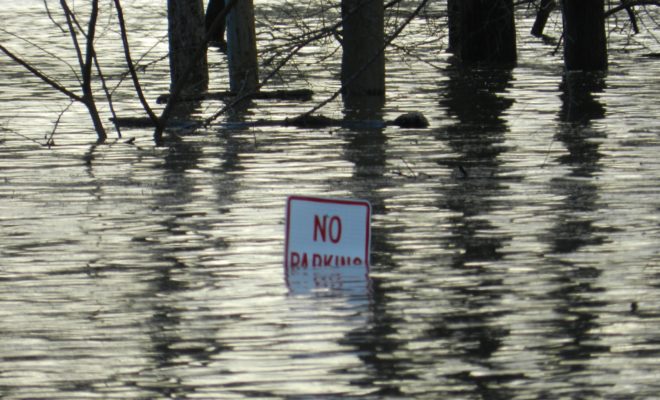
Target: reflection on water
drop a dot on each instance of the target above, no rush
(509, 240)
(575, 227)
(477, 100)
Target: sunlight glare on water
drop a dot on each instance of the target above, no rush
(514, 242)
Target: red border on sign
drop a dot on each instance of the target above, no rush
(328, 201)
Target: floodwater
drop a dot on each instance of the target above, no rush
(515, 242)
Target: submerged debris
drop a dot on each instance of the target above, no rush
(311, 121)
(408, 120)
(414, 119)
(296, 95)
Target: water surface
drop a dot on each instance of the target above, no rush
(509, 240)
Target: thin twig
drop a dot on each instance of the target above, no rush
(108, 95)
(631, 3)
(45, 51)
(286, 59)
(131, 67)
(50, 16)
(54, 84)
(72, 32)
(49, 138)
(9, 130)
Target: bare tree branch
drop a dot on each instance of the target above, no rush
(631, 3)
(108, 95)
(297, 47)
(50, 138)
(50, 16)
(51, 82)
(45, 51)
(131, 66)
(72, 32)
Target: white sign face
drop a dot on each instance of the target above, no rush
(326, 233)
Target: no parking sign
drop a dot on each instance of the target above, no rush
(325, 235)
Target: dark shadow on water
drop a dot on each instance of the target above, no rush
(375, 342)
(476, 99)
(574, 232)
(580, 106)
(175, 342)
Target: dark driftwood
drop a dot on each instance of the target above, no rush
(407, 120)
(144, 122)
(298, 95)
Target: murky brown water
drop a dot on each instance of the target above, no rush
(509, 239)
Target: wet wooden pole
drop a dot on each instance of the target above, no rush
(453, 15)
(585, 42)
(187, 38)
(363, 58)
(242, 48)
(215, 32)
(484, 31)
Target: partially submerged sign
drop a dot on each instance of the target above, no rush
(327, 241)
(327, 232)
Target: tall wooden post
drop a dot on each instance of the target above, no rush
(484, 31)
(242, 48)
(187, 45)
(453, 22)
(363, 59)
(216, 34)
(585, 43)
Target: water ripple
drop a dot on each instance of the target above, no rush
(514, 242)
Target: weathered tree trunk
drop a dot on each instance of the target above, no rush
(485, 32)
(585, 43)
(542, 16)
(242, 48)
(216, 34)
(363, 59)
(187, 45)
(453, 16)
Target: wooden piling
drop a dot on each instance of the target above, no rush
(363, 58)
(215, 31)
(187, 45)
(485, 32)
(585, 42)
(242, 48)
